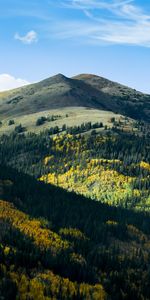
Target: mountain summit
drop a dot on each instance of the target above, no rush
(84, 90)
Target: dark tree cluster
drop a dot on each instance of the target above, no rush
(107, 245)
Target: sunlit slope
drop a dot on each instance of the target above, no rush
(86, 167)
(70, 116)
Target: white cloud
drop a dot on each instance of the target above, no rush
(111, 21)
(96, 4)
(29, 38)
(8, 82)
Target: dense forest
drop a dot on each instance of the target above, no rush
(109, 166)
(59, 245)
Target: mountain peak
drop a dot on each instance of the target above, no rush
(84, 90)
(56, 79)
(60, 76)
(85, 76)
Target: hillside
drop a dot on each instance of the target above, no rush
(111, 169)
(111, 166)
(46, 254)
(74, 198)
(83, 91)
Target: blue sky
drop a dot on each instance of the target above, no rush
(41, 38)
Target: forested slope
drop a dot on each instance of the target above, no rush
(59, 245)
(111, 167)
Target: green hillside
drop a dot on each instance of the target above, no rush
(74, 116)
(74, 191)
(88, 91)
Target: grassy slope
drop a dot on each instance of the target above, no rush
(71, 116)
(58, 92)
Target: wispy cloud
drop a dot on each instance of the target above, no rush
(29, 38)
(8, 82)
(111, 21)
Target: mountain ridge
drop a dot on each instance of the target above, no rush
(83, 90)
(81, 76)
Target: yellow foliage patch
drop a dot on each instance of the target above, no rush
(32, 228)
(145, 165)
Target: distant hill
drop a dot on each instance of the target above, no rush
(84, 90)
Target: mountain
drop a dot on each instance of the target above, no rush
(74, 199)
(85, 90)
(55, 92)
